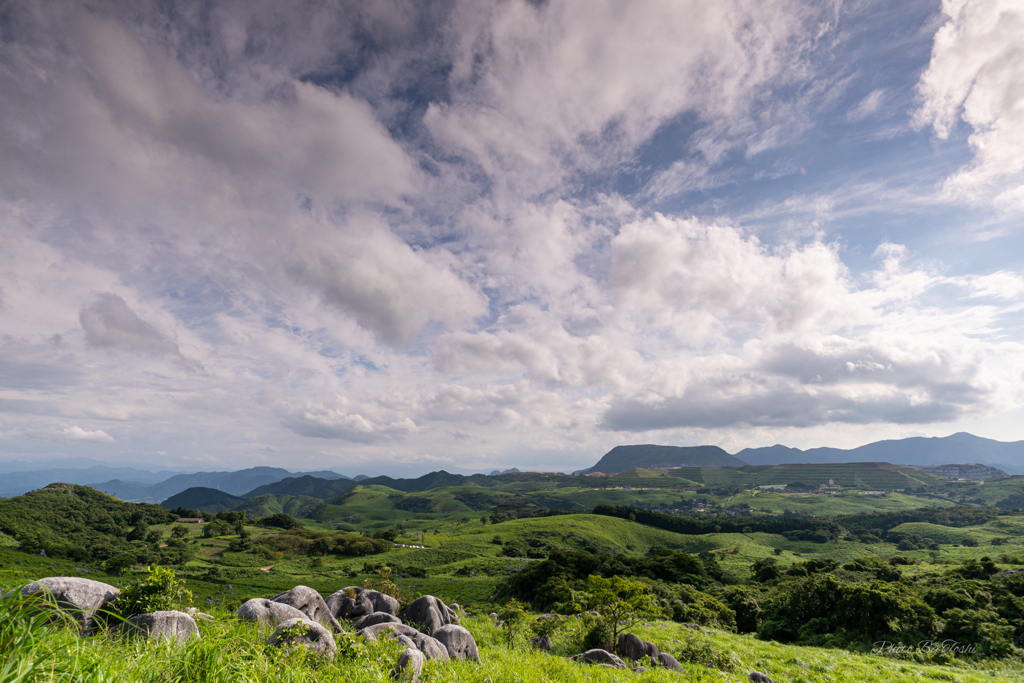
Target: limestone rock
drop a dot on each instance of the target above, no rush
(267, 611)
(669, 662)
(758, 677)
(353, 602)
(602, 657)
(430, 612)
(304, 632)
(541, 642)
(409, 665)
(161, 625)
(76, 597)
(310, 603)
(376, 618)
(383, 630)
(631, 647)
(458, 641)
(430, 647)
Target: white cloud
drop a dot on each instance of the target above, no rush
(364, 267)
(97, 436)
(867, 106)
(545, 88)
(977, 74)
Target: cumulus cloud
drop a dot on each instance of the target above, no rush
(976, 75)
(97, 436)
(336, 418)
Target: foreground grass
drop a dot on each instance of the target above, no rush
(234, 651)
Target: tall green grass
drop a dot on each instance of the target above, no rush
(33, 652)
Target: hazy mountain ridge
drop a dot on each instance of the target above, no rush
(957, 448)
(17, 483)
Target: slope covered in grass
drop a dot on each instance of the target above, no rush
(229, 650)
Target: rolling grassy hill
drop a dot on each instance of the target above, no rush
(271, 504)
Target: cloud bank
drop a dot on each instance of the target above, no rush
(400, 235)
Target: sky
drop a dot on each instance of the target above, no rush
(396, 236)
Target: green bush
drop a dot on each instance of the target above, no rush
(697, 650)
(160, 590)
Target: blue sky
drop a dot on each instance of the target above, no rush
(392, 237)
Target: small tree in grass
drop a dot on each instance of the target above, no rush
(620, 602)
(513, 614)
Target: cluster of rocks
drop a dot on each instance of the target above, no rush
(633, 648)
(302, 617)
(84, 601)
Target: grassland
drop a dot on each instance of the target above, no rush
(229, 650)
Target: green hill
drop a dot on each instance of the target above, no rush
(271, 504)
(77, 522)
(308, 485)
(202, 498)
(858, 475)
(649, 456)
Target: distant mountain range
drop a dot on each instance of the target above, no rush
(957, 448)
(133, 484)
(16, 483)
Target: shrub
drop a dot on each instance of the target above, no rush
(597, 637)
(160, 590)
(701, 651)
(280, 520)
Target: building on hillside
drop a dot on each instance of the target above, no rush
(189, 520)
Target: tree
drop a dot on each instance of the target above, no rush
(179, 531)
(140, 531)
(620, 602)
(513, 615)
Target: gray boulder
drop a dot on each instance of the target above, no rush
(541, 642)
(758, 677)
(376, 618)
(304, 633)
(384, 629)
(631, 647)
(310, 603)
(669, 662)
(601, 657)
(458, 641)
(353, 602)
(73, 597)
(162, 625)
(267, 612)
(409, 665)
(430, 612)
(430, 647)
